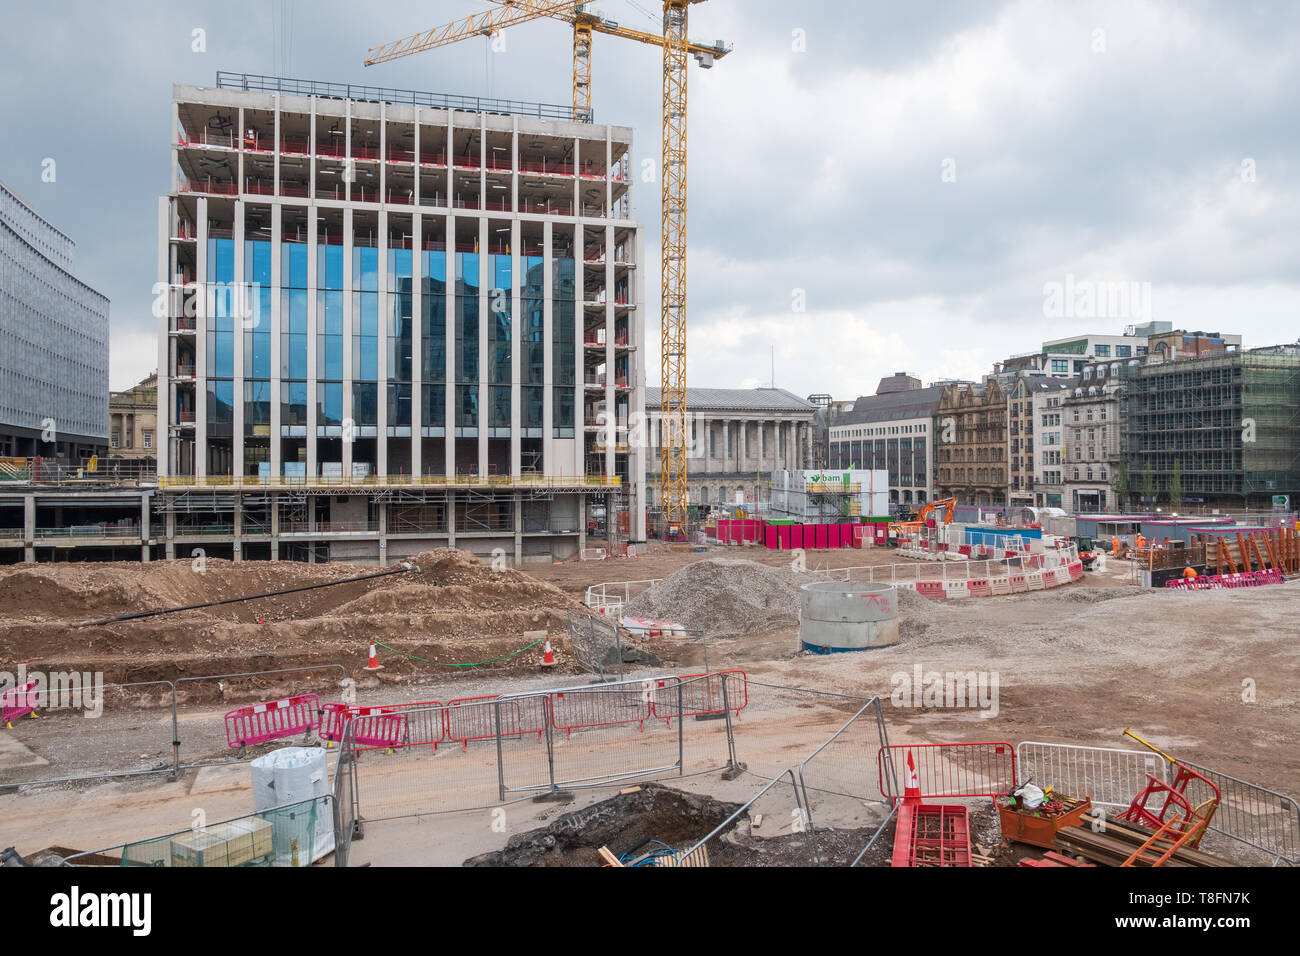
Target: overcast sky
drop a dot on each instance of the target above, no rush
(874, 187)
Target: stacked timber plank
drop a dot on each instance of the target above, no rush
(1115, 843)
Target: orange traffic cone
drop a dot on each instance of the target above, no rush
(548, 655)
(912, 789)
(374, 664)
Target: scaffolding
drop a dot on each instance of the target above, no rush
(1229, 424)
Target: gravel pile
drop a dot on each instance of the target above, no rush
(724, 597)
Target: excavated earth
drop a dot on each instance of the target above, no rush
(452, 610)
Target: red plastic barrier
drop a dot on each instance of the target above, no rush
(771, 537)
(378, 727)
(700, 694)
(333, 718)
(931, 835)
(980, 587)
(737, 532)
(964, 550)
(18, 701)
(859, 535)
(1019, 583)
(274, 720)
(930, 589)
(822, 537)
(983, 769)
(474, 718)
(601, 707)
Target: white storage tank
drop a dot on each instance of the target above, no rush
(837, 616)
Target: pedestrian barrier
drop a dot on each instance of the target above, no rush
(700, 694)
(1000, 586)
(274, 720)
(18, 702)
(378, 727)
(980, 587)
(601, 707)
(983, 769)
(956, 589)
(333, 720)
(1034, 580)
(475, 718)
(930, 589)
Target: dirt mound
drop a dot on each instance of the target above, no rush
(724, 597)
(452, 610)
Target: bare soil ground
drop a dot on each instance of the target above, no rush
(1210, 676)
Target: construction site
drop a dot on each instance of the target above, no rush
(399, 591)
(692, 715)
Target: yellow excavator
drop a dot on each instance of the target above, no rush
(901, 529)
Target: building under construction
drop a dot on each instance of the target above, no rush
(1228, 424)
(397, 320)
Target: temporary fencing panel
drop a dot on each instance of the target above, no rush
(274, 720)
(1254, 815)
(601, 707)
(821, 537)
(1108, 777)
(772, 537)
(785, 534)
(474, 718)
(833, 536)
(700, 694)
(796, 535)
(983, 769)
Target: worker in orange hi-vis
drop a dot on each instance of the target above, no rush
(1189, 573)
(1114, 546)
(1141, 541)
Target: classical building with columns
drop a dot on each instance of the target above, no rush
(737, 438)
(392, 320)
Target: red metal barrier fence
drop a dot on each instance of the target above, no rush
(983, 769)
(258, 723)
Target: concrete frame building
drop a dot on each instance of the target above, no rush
(737, 438)
(893, 431)
(53, 343)
(1229, 421)
(396, 320)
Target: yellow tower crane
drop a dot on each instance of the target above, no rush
(677, 47)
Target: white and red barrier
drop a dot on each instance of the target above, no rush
(273, 720)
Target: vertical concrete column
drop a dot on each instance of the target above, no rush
(144, 528)
(239, 528)
(169, 548)
(29, 529)
(451, 513)
(519, 528)
(581, 523)
(275, 528)
(383, 534)
(726, 438)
